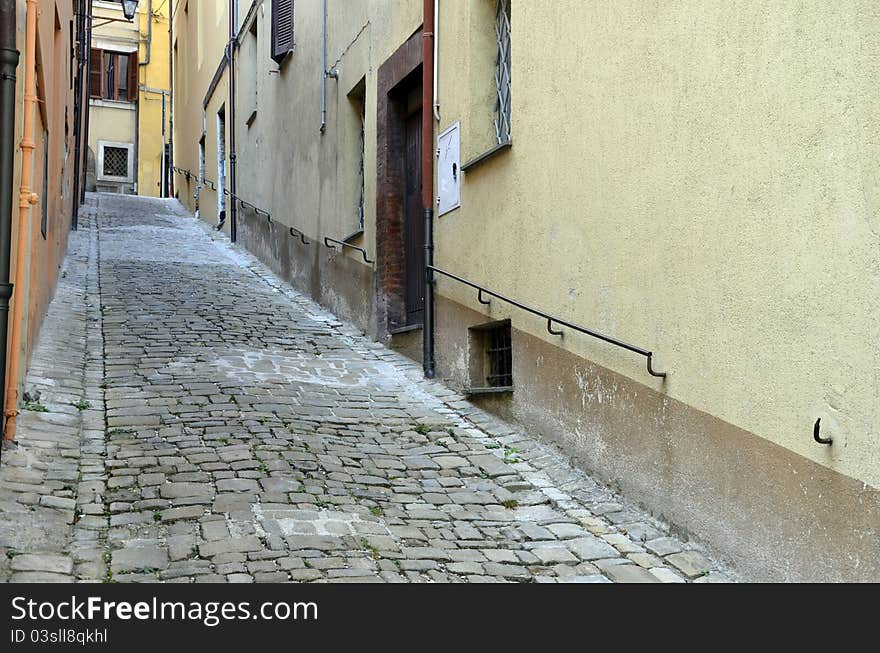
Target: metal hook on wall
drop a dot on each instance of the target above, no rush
(550, 328)
(818, 438)
(480, 299)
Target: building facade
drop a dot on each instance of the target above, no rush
(130, 99)
(695, 185)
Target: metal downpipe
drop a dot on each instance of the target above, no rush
(26, 199)
(323, 66)
(428, 182)
(233, 213)
(78, 111)
(9, 57)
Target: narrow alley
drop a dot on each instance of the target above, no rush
(190, 418)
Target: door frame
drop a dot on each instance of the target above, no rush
(401, 69)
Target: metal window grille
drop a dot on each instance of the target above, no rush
(115, 161)
(499, 355)
(502, 71)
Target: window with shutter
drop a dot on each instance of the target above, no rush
(96, 73)
(282, 29)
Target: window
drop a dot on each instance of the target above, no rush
(114, 76)
(115, 162)
(491, 358)
(502, 71)
(44, 199)
(221, 165)
(357, 126)
(282, 29)
(249, 63)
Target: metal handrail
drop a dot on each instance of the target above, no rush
(242, 202)
(343, 244)
(296, 232)
(551, 320)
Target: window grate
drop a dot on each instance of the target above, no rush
(115, 162)
(502, 71)
(499, 356)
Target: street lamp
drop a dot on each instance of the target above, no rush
(129, 7)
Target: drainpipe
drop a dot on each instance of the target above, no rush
(78, 111)
(146, 62)
(170, 103)
(8, 62)
(324, 66)
(163, 185)
(26, 199)
(87, 105)
(233, 226)
(436, 57)
(428, 182)
(137, 142)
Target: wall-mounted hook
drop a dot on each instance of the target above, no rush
(818, 438)
(484, 302)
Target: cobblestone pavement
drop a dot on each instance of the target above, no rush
(206, 423)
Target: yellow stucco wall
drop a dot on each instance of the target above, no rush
(699, 179)
(197, 54)
(154, 77)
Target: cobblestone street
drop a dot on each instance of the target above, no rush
(191, 418)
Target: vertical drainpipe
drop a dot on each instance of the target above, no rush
(87, 104)
(163, 184)
(170, 101)
(323, 66)
(428, 182)
(233, 224)
(26, 199)
(78, 111)
(436, 46)
(9, 56)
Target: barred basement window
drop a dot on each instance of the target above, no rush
(115, 161)
(491, 358)
(282, 29)
(502, 71)
(499, 356)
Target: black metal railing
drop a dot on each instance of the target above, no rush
(344, 244)
(551, 319)
(293, 231)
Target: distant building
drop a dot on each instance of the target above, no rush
(130, 101)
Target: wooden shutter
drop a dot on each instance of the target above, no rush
(282, 29)
(133, 77)
(96, 73)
